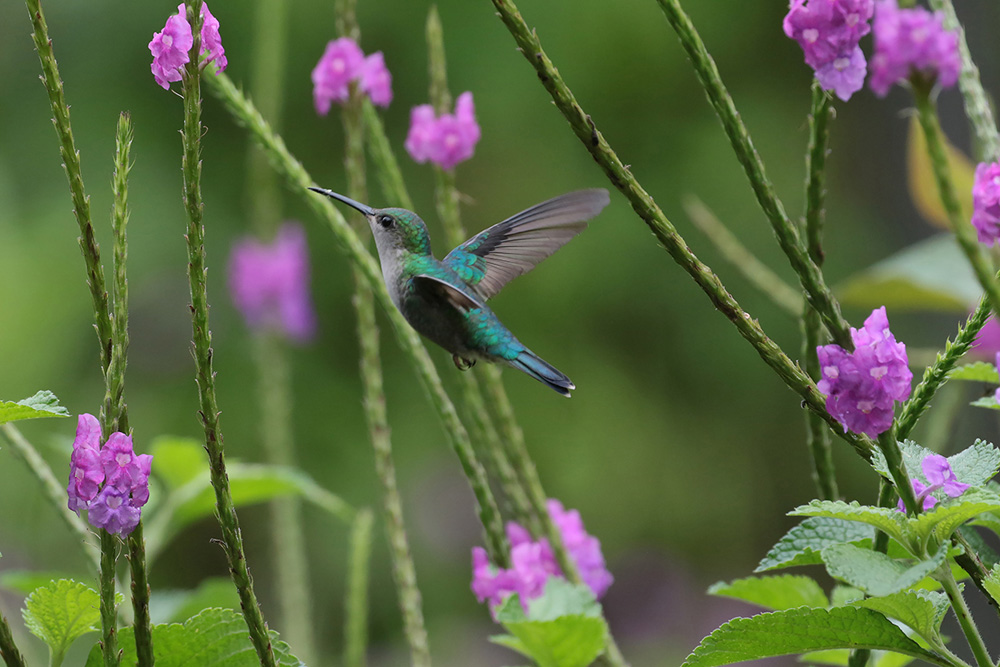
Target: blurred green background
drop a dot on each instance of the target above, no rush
(680, 448)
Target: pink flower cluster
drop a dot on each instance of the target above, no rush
(344, 62)
(912, 41)
(861, 386)
(445, 140)
(939, 476)
(828, 32)
(533, 562)
(171, 46)
(115, 506)
(269, 283)
(986, 202)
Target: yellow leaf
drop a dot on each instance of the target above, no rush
(923, 187)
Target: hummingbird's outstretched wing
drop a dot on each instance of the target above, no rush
(495, 256)
(457, 298)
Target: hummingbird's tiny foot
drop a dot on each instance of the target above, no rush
(461, 363)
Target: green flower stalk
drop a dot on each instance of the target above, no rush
(965, 621)
(356, 627)
(810, 276)
(298, 179)
(8, 649)
(964, 233)
(586, 130)
(209, 412)
(817, 436)
(446, 197)
(374, 401)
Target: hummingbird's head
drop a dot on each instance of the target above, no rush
(394, 229)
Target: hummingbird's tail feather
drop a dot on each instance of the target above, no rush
(543, 371)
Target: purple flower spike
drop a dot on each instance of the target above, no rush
(376, 80)
(828, 32)
(270, 283)
(912, 41)
(113, 511)
(121, 466)
(861, 386)
(533, 562)
(341, 63)
(986, 202)
(170, 47)
(921, 492)
(445, 140)
(85, 469)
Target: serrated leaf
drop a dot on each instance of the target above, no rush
(976, 464)
(802, 544)
(42, 404)
(61, 612)
(213, 638)
(800, 631)
(977, 371)
(889, 521)
(932, 274)
(875, 573)
(946, 517)
(177, 606)
(991, 583)
(785, 591)
(922, 182)
(563, 627)
(843, 594)
(922, 611)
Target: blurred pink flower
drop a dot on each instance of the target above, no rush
(445, 140)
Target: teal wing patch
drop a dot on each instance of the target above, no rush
(470, 267)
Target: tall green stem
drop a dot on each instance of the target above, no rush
(964, 232)
(209, 409)
(810, 276)
(817, 435)
(109, 617)
(404, 571)
(586, 130)
(965, 620)
(356, 625)
(298, 179)
(889, 447)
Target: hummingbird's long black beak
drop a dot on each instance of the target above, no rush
(364, 208)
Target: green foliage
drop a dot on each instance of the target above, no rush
(992, 583)
(889, 521)
(876, 573)
(42, 404)
(563, 627)
(986, 402)
(803, 630)
(60, 612)
(942, 521)
(213, 638)
(776, 593)
(25, 581)
(977, 371)
(922, 611)
(177, 606)
(929, 275)
(177, 461)
(802, 544)
(973, 465)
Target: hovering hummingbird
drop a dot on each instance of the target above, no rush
(445, 300)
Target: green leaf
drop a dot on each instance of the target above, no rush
(785, 591)
(977, 464)
(922, 610)
(177, 461)
(978, 371)
(42, 404)
(842, 595)
(213, 638)
(929, 275)
(800, 631)
(25, 581)
(802, 544)
(946, 517)
(177, 606)
(991, 583)
(839, 658)
(986, 402)
(563, 627)
(875, 573)
(922, 182)
(61, 612)
(888, 520)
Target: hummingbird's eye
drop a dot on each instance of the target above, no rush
(385, 220)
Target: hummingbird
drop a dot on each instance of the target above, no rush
(445, 300)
